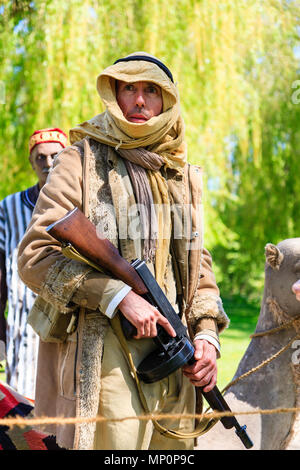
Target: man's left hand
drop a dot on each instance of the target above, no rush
(203, 373)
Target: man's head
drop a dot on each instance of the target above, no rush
(44, 145)
(147, 71)
(142, 109)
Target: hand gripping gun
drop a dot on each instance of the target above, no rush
(76, 231)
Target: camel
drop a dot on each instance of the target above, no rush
(276, 384)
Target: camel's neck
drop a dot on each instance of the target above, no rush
(272, 314)
(278, 373)
(273, 385)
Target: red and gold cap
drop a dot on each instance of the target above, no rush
(43, 136)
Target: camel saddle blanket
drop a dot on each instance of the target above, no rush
(12, 404)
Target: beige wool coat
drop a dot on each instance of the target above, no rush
(92, 176)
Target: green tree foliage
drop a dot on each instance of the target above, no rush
(237, 65)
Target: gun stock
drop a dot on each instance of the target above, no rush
(76, 229)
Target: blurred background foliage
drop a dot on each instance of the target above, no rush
(237, 67)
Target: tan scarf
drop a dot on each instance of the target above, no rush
(152, 196)
(157, 142)
(137, 161)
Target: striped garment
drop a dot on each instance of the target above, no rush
(22, 342)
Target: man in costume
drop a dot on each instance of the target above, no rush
(18, 341)
(127, 171)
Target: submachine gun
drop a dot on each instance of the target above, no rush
(76, 231)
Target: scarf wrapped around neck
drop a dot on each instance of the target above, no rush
(145, 148)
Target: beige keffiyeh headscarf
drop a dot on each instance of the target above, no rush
(157, 142)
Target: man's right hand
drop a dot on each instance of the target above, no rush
(143, 316)
(2, 351)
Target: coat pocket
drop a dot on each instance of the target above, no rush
(49, 322)
(67, 367)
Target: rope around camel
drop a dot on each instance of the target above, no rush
(259, 334)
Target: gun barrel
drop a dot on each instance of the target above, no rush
(242, 434)
(217, 402)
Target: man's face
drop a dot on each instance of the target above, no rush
(41, 159)
(139, 101)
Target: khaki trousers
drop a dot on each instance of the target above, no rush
(119, 399)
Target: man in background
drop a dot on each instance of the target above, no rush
(18, 341)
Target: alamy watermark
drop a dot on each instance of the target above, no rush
(2, 92)
(296, 353)
(296, 94)
(180, 222)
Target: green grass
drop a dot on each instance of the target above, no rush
(235, 339)
(2, 371)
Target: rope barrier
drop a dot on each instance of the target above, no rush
(21, 422)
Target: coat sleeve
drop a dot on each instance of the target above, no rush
(42, 266)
